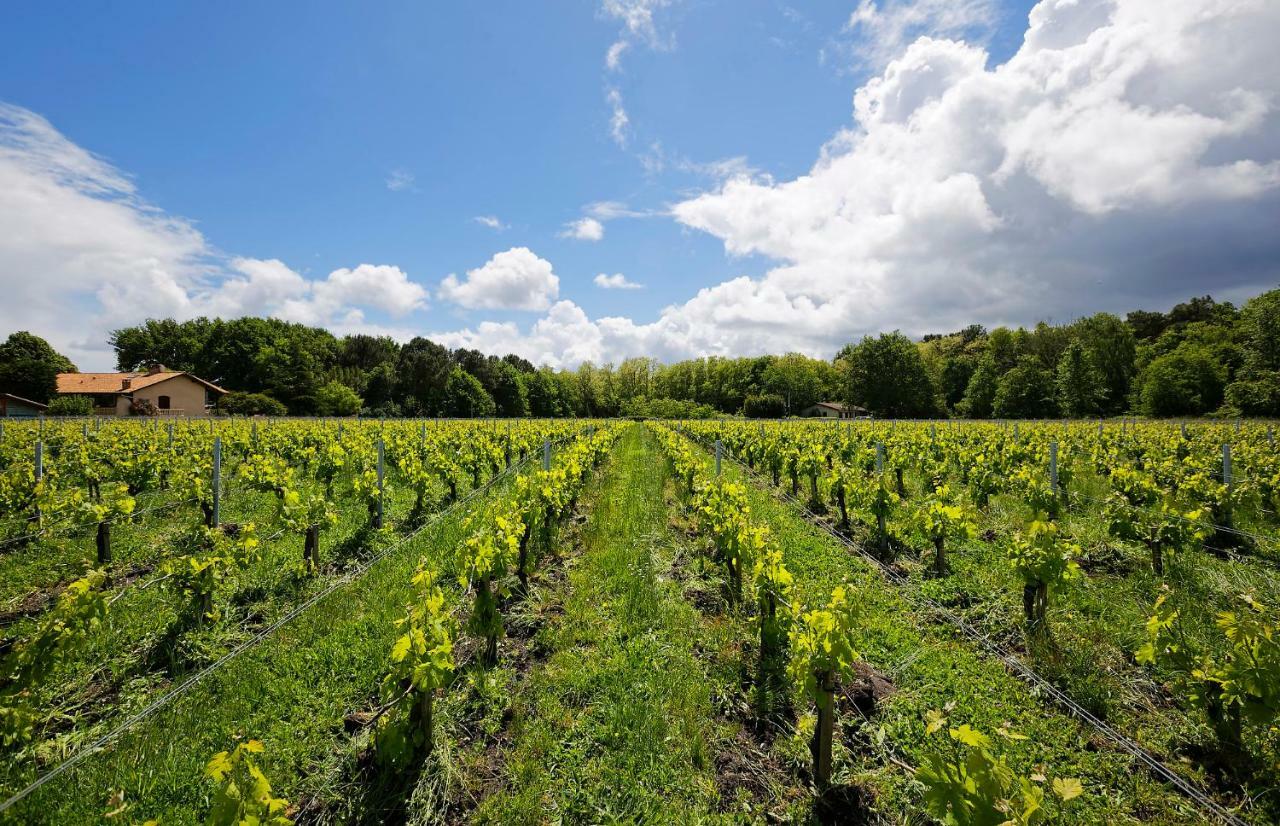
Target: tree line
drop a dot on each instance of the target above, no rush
(1202, 357)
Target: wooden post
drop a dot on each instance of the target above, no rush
(1226, 466)
(719, 450)
(104, 543)
(546, 454)
(824, 731)
(879, 457)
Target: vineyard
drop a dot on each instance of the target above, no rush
(497, 621)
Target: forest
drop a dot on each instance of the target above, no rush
(1202, 357)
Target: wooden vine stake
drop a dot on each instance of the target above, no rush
(104, 542)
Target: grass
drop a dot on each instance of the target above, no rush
(614, 723)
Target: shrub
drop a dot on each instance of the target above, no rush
(143, 407)
(336, 399)
(70, 406)
(250, 404)
(1186, 382)
(764, 406)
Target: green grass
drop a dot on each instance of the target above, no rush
(615, 724)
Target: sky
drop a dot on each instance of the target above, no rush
(599, 179)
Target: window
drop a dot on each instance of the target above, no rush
(163, 402)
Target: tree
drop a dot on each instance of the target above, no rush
(1026, 392)
(544, 394)
(887, 376)
(1186, 382)
(980, 395)
(336, 399)
(465, 396)
(1111, 344)
(799, 380)
(380, 386)
(29, 367)
(509, 392)
(366, 352)
(422, 370)
(1079, 383)
(1256, 391)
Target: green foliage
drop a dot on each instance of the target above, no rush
(1079, 382)
(980, 394)
(1028, 391)
(465, 396)
(70, 406)
(80, 609)
(764, 406)
(887, 376)
(1243, 682)
(337, 399)
(250, 404)
(421, 662)
(968, 783)
(242, 795)
(821, 642)
(29, 367)
(1045, 563)
(1186, 382)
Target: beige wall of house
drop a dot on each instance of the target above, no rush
(186, 397)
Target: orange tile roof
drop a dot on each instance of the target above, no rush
(93, 383)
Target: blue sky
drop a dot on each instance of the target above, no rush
(324, 137)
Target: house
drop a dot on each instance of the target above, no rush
(16, 407)
(167, 392)
(834, 410)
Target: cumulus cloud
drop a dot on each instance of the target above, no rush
(617, 281)
(584, 229)
(82, 253)
(512, 280)
(1127, 155)
(490, 221)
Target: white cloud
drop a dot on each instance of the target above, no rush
(400, 180)
(490, 221)
(637, 19)
(619, 121)
(584, 229)
(512, 280)
(613, 57)
(1127, 156)
(882, 30)
(617, 281)
(81, 253)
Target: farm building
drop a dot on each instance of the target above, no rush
(16, 407)
(157, 390)
(834, 410)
